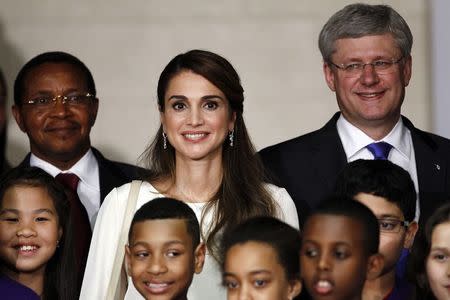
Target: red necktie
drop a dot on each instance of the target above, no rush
(80, 219)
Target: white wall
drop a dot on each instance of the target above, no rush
(126, 44)
(440, 24)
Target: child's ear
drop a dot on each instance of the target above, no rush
(199, 257)
(375, 266)
(127, 259)
(410, 234)
(295, 287)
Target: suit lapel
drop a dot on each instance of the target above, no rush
(25, 162)
(107, 173)
(328, 154)
(431, 169)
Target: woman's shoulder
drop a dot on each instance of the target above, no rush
(277, 192)
(287, 211)
(117, 196)
(125, 188)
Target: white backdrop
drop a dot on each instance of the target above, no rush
(126, 44)
(440, 24)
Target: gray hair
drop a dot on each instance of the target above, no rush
(358, 20)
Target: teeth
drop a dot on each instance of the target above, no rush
(370, 95)
(28, 248)
(323, 287)
(194, 136)
(157, 285)
(324, 284)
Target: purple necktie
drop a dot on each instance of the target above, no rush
(380, 150)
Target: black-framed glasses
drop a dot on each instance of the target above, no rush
(72, 100)
(354, 69)
(390, 225)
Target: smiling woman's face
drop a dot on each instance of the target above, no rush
(196, 117)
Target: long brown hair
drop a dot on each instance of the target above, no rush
(242, 193)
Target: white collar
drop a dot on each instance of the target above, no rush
(86, 168)
(355, 140)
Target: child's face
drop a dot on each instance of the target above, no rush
(161, 259)
(333, 261)
(392, 238)
(438, 262)
(252, 271)
(29, 229)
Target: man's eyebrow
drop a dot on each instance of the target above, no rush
(50, 92)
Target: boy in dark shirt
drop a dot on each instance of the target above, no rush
(388, 191)
(339, 250)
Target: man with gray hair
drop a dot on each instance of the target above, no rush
(366, 52)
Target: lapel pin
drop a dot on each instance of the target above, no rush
(438, 167)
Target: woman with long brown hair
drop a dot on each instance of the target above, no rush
(202, 155)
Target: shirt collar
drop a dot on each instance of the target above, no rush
(86, 168)
(354, 139)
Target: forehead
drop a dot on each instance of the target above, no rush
(380, 206)
(327, 229)
(191, 85)
(50, 76)
(252, 251)
(161, 231)
(367, 47)
(441, 236)
(27, 198)
(251, 256)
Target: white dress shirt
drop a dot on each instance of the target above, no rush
(89, 185)
(354, 141)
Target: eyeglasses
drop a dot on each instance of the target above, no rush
(381, 66)
(392, 225)
(72, 100)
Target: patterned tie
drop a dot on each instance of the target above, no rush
(80, 220)
(380, 150)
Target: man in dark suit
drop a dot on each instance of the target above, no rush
(367, 63)
(55, 104)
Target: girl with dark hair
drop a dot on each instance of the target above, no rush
(429, 265)
(36, 248)
(202, 155)
(260, 259)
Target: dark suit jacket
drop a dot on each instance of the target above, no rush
(112, 174)
(307, 166)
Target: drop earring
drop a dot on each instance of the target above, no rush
(231, 138)
(164, 140)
